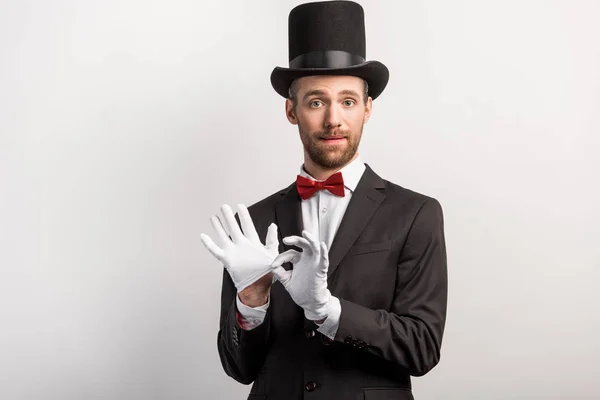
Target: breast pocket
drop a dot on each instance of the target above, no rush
(371, 247)
(367, 275)
(387, 393)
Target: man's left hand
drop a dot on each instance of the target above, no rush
(307, 281)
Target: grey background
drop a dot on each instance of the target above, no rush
(124, 124)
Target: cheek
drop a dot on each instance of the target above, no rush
(355, 119)
(311, 121)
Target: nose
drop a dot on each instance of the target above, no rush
(332, 118)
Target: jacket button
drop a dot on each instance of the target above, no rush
(310, 334)
(310, 386)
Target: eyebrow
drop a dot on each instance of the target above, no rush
(317, 92)
(348, 92)
(314, 92)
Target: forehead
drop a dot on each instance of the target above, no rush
(331, 84)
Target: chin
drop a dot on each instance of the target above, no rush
(333, 163)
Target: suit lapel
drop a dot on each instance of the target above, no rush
(362, 206)
(289, 218)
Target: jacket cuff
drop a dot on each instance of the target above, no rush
(249, 318)
(331, 324)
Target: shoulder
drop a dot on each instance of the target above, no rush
(408, 200)
(424, 207)
(398, 192)
(265, 207)
(394, 190)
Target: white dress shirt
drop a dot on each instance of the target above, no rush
(321, 216)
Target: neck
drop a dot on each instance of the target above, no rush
(319, 172)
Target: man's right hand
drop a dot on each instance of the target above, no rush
(246, 259)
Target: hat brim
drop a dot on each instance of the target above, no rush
(374, 72)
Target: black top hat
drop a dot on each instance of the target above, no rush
(328, 38)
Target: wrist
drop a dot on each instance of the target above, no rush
(254, 298)
(257, 294)
(319, 313)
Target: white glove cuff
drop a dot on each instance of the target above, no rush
(322, 311)
(243, 284)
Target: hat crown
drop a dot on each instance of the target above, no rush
(328, 38)
(327, 25)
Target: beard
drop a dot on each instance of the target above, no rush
(329, 156)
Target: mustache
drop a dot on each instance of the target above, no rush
(339, 133)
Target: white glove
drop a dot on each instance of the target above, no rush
(307, 281)
(244, 256)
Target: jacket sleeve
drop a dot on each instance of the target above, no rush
(410, 334)
(242, 352)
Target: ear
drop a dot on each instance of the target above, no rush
(368, 109)
(289, 112)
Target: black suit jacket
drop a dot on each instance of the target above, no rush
(387, 267)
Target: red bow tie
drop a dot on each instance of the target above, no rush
(307, 187)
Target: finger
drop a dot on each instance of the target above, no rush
(314, 244)
(324, 251)
(247, 224)
(231, 224)
(212, 247)
(324, 258)
(221, 234)
(272, 240)
(298, 241)
(292, 256)
(282, 275)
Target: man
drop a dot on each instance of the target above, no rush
(334, 287)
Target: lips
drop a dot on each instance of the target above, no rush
(333, 138)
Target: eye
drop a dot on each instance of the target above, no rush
(315, 103)
(349, 103)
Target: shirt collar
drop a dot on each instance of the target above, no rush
(351, 173)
